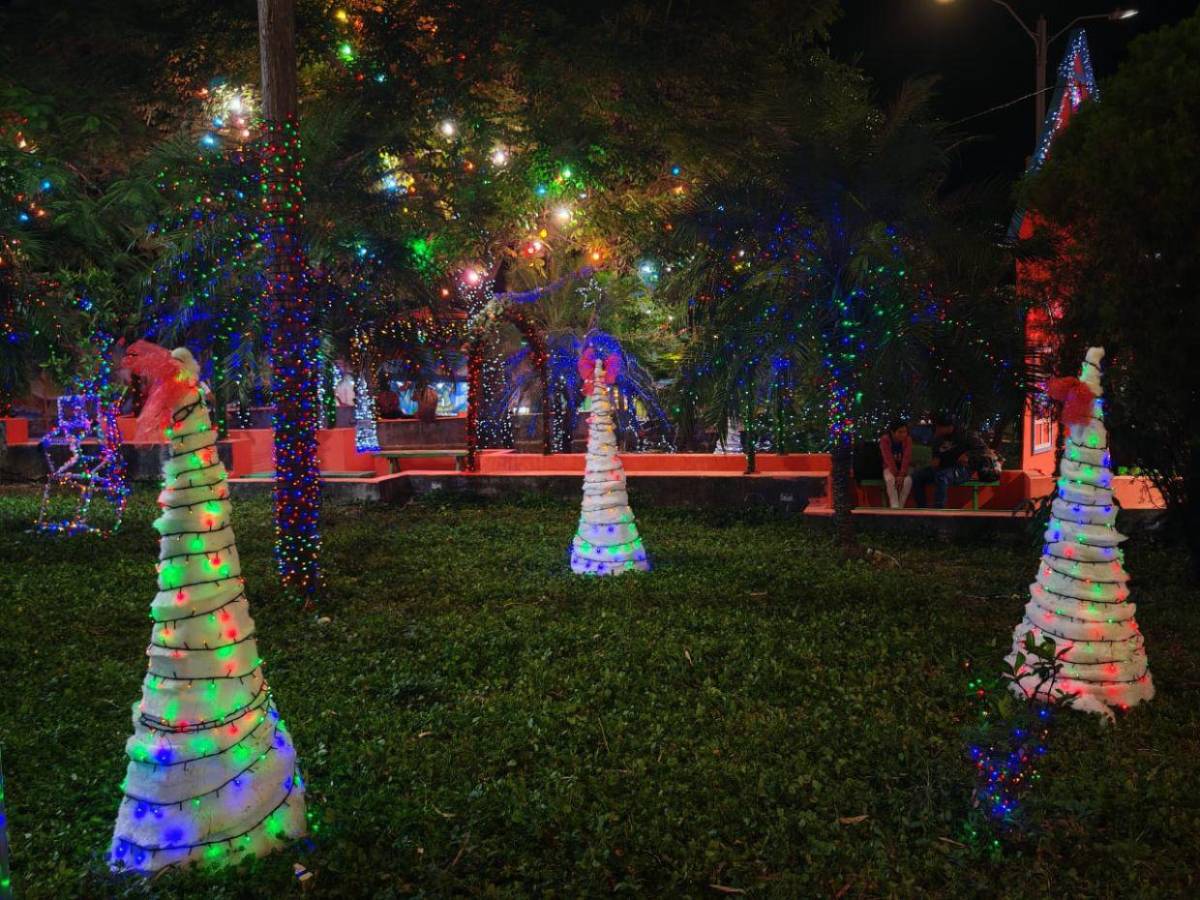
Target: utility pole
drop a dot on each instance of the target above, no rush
(293, 336)
(1042, 39)
(1043, 52)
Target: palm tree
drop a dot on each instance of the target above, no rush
(814, 273)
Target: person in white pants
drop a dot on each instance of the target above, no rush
(896, 449)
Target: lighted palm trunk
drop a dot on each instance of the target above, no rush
(212, 771)
(607, 540)
(1080, 597)
(294, 342)
(293, 365)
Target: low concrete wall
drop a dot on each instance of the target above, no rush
(788, 494)
(411, 434)
(336, 492)
(143, 462)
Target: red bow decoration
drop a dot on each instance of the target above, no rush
(587, 369)
(1076, 398)
(169, 380)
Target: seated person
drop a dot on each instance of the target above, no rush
(896, 449)
(387, 404)
(957, 453)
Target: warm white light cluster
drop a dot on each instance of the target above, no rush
(1080, 597)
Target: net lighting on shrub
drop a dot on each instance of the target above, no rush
(210, 290)
(1006, 760)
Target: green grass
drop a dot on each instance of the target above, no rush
(475, 720)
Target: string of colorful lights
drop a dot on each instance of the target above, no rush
(607, 541)
(1080, 596)
(212, 772)
(294, 350)
(1007, 752)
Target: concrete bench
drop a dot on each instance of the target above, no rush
(973, 485)
(394, 456)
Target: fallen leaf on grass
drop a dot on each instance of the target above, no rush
(722, 889)
(688, 656)
(946, 840)
(852, 820)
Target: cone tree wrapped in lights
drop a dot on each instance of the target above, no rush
(607, 540)
(1080, 597)
(366, 430)
(212, 771)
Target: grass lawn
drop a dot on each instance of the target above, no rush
(475, 720)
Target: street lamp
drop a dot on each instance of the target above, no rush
(1042, 41)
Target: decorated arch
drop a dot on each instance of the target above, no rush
(483, 324)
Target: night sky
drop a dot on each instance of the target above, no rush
(983, 58)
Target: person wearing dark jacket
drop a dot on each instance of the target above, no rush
(957, 452)
(896, 449)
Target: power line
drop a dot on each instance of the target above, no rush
(1002, 106)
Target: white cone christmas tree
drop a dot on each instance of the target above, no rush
(212, 771)
(607, 540)
(1080, 597)
(366, 431)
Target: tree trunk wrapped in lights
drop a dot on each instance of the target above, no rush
(1080, 597)
(294, 341)
(212, 771)
(607, 541)
(482, 328)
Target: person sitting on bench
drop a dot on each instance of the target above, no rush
(957, 452)
(896, 449)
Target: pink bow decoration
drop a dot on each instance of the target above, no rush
(169, 383)
(1076, 398)
(587, 369)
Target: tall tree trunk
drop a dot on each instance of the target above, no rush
(8, 333)
(1191, 508)
(293, 336)
(474, 399)
(543, 368)
(220, 384)
(749, 436)
(843, 492)
(841, 428)
(782, 438)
